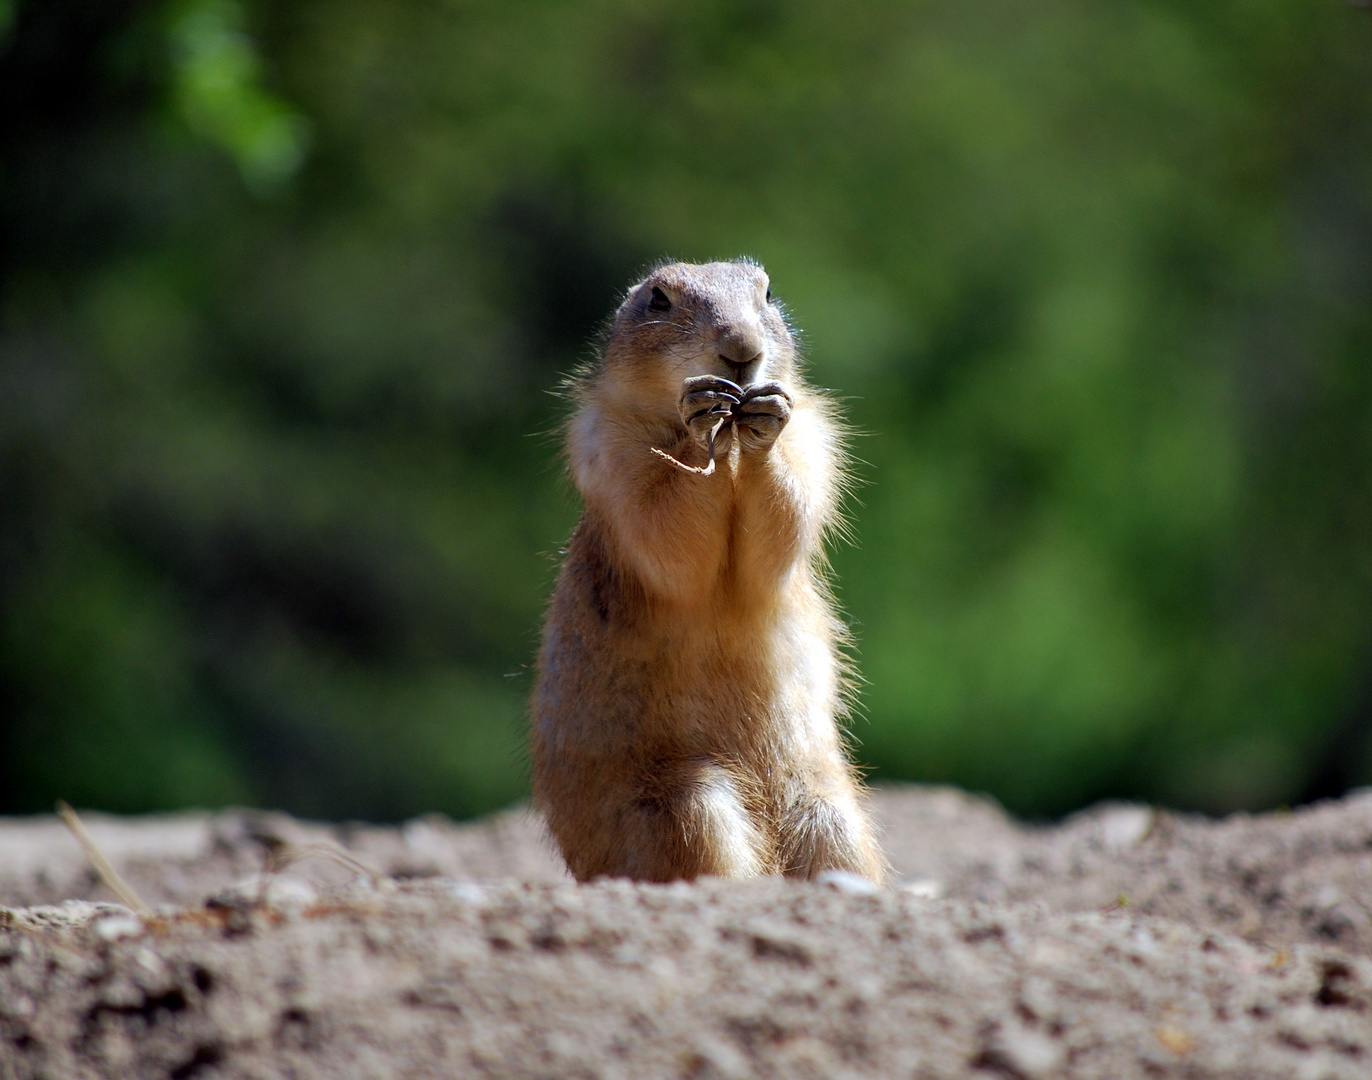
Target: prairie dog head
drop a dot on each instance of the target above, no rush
(686, 319)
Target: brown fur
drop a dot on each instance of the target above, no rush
(684, 721)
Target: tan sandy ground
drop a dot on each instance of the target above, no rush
(1119, 943)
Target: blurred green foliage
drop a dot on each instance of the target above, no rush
(286, 287)
(217, 91)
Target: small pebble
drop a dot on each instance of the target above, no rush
(924, 888)
(285, 893)
(846, 882)
(114, 927)
(467, 891)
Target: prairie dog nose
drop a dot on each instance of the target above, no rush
(741, 350)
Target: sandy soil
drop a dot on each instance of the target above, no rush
(1122, 942)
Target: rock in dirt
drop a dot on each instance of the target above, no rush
(1122, 942)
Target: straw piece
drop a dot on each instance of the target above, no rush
(108, 874)
(696, 469)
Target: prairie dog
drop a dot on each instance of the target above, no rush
(684, 720)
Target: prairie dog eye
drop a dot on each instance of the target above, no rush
(659, 302)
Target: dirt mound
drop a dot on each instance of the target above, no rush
(1122, 942)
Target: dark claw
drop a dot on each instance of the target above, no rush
(708, 407)
(713, 383)
(768, 389)
(773, 406)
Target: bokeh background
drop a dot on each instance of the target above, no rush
(287, 289)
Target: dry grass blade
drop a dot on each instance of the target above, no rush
(287, 853)
(696, 469)
(108, 874)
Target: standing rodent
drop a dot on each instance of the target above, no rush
(689, 680)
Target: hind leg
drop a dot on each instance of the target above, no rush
(686, 820)
(825, 827)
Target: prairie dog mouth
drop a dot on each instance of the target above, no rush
(743, 372)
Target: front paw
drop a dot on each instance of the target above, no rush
(761, 415)
(705, 401)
